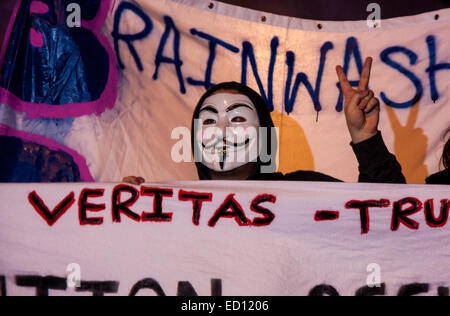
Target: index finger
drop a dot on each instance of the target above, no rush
(365, 75)
(345, 85)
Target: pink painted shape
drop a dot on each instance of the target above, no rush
(41, 110)
(38, 7)
(113, 5)
(85, 174)
(36, 38)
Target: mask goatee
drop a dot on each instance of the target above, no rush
(224, 154)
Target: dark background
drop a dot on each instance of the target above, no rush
(341, 10)
(6, 7)
(325, 10)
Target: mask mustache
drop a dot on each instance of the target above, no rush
(226, 143)
(212, 144)
(244, 143)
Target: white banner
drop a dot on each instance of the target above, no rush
(266, 238)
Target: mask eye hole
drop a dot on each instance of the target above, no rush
(209, 122)
(238, 119)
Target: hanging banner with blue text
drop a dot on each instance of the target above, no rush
(141, 66)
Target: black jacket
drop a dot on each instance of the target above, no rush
(376, 165)
(442, 177)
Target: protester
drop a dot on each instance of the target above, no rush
(442, 177)
(234, 109)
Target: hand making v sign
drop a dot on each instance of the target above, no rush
(361, 107)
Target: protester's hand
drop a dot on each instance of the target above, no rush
(362, 109)
(134, 180)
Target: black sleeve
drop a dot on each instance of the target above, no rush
(376, 163)
(442, 177)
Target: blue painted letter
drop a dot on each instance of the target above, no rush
(176, 61)
(289, 98)
(433, 67)
(249, 54)
(385, 57)
(130, 38)
(213, 42)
